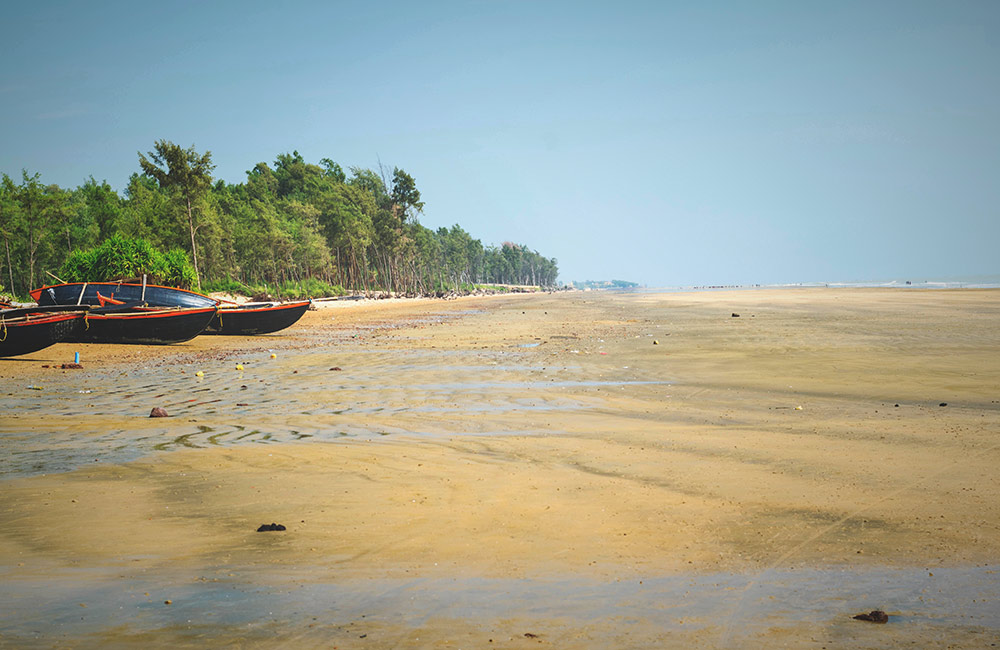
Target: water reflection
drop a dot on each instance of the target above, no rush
(102, 415)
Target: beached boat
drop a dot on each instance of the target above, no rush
(256, 318)
(145, 325)
(91, 293)
(27, 330)
(247, 319)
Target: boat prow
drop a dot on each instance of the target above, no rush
(257, 318)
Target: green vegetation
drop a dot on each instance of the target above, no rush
(290, 229)
(119, 257)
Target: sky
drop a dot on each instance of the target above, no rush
(665, 143)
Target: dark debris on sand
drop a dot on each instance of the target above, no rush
(875, 616)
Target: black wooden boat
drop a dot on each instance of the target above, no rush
(247, 319)
(27, 330)
(90, 293)
(256, 318)
(146, 325)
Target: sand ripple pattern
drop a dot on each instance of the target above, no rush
(324, 393)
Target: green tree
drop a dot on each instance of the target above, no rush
(405, 196)
(34, 226)
(186, 173)
(64, 211)
(296, 178)
(147, 214)
(333, 170)
(102, 206)
(8, 198)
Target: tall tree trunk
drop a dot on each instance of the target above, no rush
(31, 258)
(10, 269)
(194, 249)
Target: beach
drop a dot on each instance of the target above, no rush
(712, 469)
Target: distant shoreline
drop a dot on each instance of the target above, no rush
(894, 284)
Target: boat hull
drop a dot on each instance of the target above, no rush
(247, 320)
(145, 326)
(153, 295)
(24, 334)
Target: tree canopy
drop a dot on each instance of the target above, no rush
(289, 221)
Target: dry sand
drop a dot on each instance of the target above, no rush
(575, 470)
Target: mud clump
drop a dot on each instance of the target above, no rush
(874, 616)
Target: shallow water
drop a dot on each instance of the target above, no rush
(101, 416)
(728, 609)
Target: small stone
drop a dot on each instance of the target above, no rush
(168, 602)
(337, 368)
(71, 366)
(943, 404)
(158, 412)
(270, 527)
(875, 616)
(655, 342)
(735, 315)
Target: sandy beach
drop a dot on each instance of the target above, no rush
(710, 469)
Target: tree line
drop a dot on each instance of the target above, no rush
(289, 222)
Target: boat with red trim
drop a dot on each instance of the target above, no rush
(27, 330)
(132, 323)
(256, 317)
(90, 293)
(233, 319)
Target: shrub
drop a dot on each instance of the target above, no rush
(179, 271)
(79, 266)
(122, 258)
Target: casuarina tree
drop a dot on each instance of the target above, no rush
(185, 173)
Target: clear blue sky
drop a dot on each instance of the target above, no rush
(662, 142)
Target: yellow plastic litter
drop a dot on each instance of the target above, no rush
(200, 373)
(274, 356)
(239, 366)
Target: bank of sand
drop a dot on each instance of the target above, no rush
(569, 470)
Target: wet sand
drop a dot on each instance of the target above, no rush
(573, 470)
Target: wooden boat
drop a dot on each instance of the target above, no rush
(86, 293)
(27, 330)
(130, 323)
(248, 319)
(256, 318)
